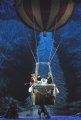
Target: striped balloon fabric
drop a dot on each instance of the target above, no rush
(44, 15)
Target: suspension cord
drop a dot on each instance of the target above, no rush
(36, 44)
(55, 52)
(52, 41)
(51, 48)
(35, 35)
(51, 58)
(31, 51)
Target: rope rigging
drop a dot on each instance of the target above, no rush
(53, 40)
(55, 52)
(31, 50)
(35, 35)
(51, 57)
(51, 48)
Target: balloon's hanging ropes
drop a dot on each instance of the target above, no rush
(55, 51)
(51, 48)
(31, 50)
(30, 45)
(53, 37)
(52, 41)
(35, 35)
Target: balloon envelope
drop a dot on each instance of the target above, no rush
(44, 15)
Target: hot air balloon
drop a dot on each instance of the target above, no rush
(44, 16)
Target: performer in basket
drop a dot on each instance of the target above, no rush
(32, 82)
